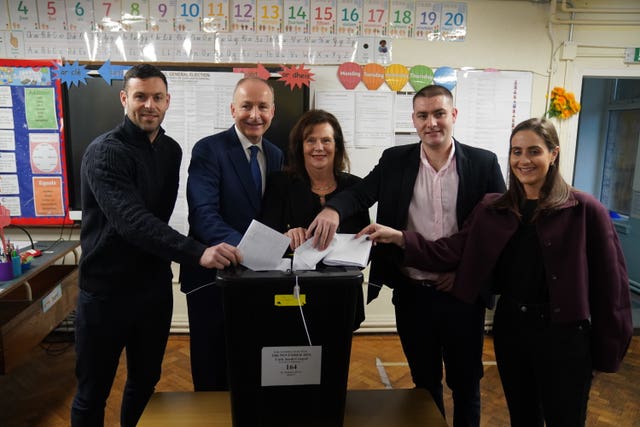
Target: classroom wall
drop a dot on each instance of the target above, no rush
(516, 35)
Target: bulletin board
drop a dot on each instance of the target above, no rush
(33, 174)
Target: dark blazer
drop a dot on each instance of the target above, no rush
(221, 195)
(583, 262)
(391, 184)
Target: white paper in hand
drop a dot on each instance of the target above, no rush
(305, 257)
(262, 247)
(348, 251)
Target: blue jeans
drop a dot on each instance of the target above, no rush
(105, 325)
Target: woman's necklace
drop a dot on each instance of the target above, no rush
(325, 187)
(323, 190)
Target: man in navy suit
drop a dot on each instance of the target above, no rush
(224, 191)
(429, 187)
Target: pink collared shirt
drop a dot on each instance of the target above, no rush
(432, 211)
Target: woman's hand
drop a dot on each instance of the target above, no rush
(297, 236)
(382, 234)
(323, 228)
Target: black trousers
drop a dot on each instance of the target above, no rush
(434, 327)
(207, 339)
(545, 367)
(105, 325)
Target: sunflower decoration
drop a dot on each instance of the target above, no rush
(562, 104)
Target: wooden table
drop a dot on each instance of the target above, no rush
(34, 303)
(364, 408)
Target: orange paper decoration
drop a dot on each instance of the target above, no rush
(373, 76)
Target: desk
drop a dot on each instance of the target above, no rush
(34, 303)
(364, 408)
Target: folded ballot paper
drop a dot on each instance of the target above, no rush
(262, 247)
(344, 250)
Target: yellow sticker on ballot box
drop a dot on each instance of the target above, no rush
(289, 300)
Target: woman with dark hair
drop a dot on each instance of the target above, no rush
(315, 172)
(552, 254)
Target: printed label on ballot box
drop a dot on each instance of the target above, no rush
(299, 365)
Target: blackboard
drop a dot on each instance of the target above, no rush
(93, 108)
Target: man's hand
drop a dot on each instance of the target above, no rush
(220, 256)
(382, 234)
(297, 236)
(323, 228)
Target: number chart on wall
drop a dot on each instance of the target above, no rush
(32, 164)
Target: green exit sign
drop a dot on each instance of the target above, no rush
(632, 55)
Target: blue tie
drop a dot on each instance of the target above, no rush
(255, 168)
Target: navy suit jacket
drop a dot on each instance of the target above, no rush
(391, 184)
(221, 195)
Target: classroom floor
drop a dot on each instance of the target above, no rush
(39, 392)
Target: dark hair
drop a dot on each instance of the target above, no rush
(555, 191)
(301, 130)
(431, 91)
(144, 71)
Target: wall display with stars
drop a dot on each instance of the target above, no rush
(32, 141)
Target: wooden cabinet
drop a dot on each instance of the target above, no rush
(35, 303)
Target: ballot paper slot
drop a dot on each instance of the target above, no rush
(288, 364)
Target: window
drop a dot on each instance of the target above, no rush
(620, 160)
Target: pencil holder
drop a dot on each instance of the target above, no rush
(17, 266)
(6, 271)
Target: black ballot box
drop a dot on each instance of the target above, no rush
(288, 353)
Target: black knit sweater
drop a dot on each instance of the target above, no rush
(129, 189)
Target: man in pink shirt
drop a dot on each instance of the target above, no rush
(429, 187)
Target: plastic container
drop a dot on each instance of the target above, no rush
(6, 271)
(16, 264)
(276, 378)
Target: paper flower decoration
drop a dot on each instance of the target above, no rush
(562, 104)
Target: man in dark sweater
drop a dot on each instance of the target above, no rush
(129, 188)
